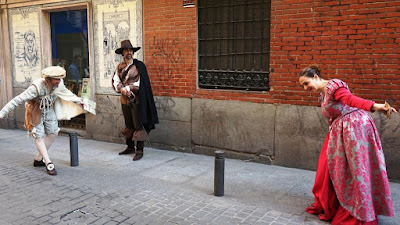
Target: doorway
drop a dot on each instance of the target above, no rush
(69, 40)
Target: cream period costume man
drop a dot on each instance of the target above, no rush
(48, 100)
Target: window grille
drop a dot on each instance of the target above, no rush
(234, 44)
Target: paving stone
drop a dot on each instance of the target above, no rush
(268, 219)
(43, 219)
(112, 222)
(199, 214)
(277, 223)
(222, 219)
(235, 221)
(102, 220)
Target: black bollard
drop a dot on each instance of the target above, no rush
(73, 148)
(219, 173)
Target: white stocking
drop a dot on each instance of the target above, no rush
(43, 145)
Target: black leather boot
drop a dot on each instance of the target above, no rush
(131, 147)
(139, 150)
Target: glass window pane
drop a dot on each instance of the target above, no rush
(69, 41)
(69, 46)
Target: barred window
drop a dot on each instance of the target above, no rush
(234, 44)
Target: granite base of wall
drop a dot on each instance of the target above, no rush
(284, 135)
(389, 131)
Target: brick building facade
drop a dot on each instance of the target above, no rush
(353, 40)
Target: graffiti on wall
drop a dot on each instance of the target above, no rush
(26, 45)
(166, 105)
(108, 111)
(105, 104)
(169, 50)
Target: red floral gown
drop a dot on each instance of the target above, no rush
(351, 185)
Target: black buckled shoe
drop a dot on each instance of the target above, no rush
(39, 163)
(51, 170)
(127, 151)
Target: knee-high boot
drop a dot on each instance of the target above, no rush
(130, 143)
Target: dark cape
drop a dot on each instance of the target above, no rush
(148, 111)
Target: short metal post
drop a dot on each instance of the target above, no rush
(219, 171)
(73, 148)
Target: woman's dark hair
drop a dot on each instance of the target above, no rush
(310, 71)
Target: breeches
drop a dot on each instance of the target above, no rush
(48, 124)
(131, 117)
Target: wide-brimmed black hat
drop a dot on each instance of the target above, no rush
(126, 44)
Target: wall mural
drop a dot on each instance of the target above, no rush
(114, 21)
(116, 27)
(30, 51)
(25, 40)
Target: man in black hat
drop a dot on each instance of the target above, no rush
(137, 101)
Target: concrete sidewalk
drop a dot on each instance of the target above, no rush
(165, 187)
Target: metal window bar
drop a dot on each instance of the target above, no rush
(235, 37)
(220, 36)
(253, 40)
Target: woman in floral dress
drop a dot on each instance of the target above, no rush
(351, 184)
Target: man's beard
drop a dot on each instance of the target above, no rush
(129, 56)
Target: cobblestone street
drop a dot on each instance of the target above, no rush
(165, 187)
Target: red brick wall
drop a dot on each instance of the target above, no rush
(170, 43)
(357, 41)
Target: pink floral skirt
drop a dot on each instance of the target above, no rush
(326, 204)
